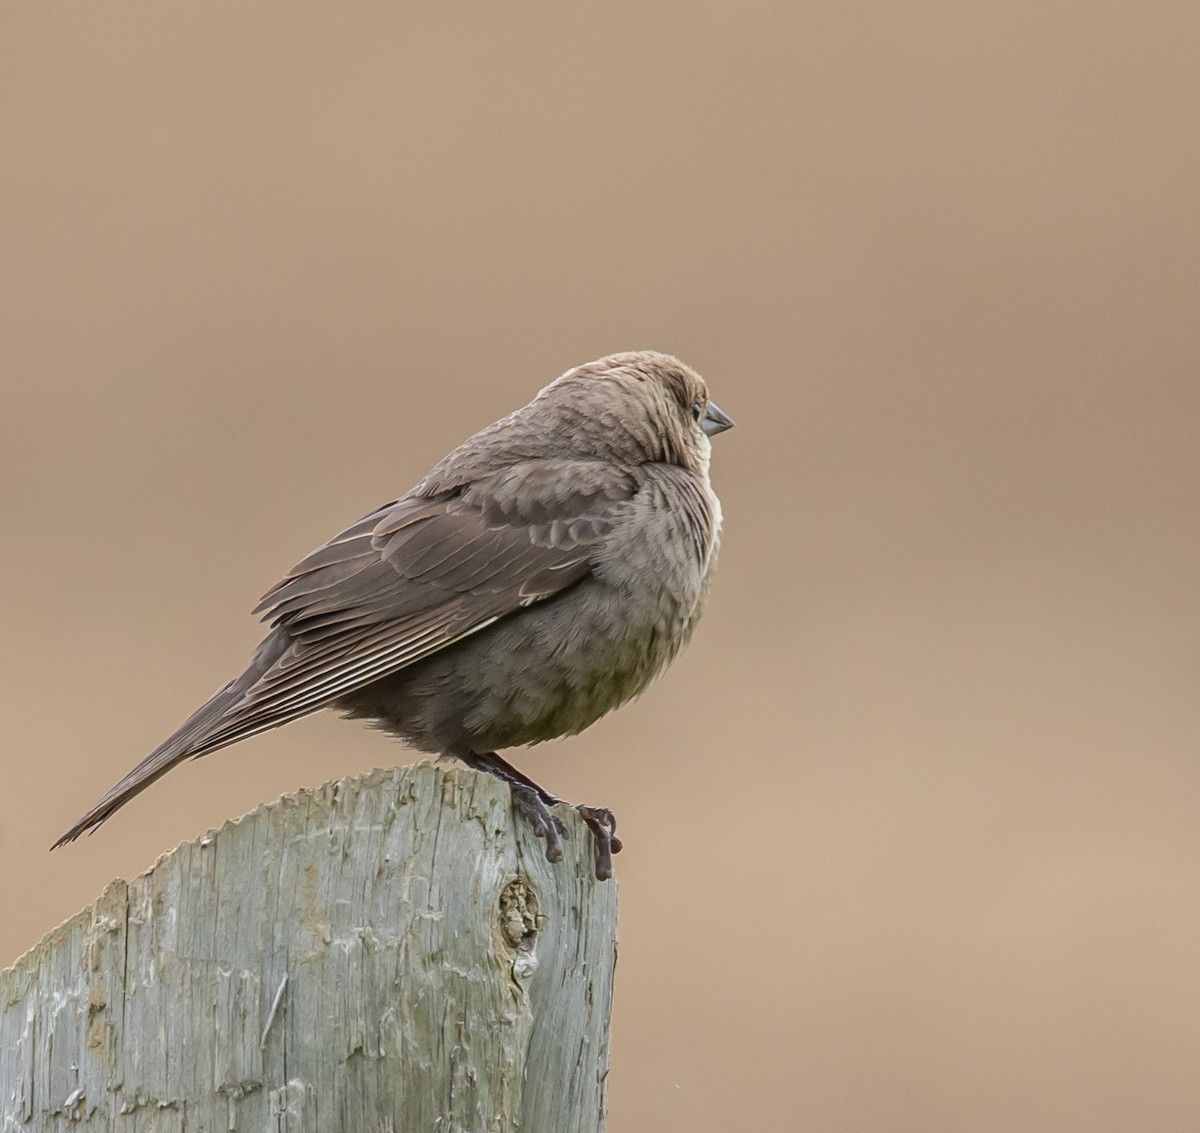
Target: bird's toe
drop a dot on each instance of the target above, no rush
(542, 821)
(603, 825)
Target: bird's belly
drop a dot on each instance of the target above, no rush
(550, 670)
(556, 669)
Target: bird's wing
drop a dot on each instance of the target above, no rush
(423, 573)
(402, 583)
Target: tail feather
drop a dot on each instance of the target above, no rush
(198, 735)
(182, 744)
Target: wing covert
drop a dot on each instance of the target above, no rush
(420, 574)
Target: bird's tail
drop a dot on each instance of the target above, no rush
(198, 735)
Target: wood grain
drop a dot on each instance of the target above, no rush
(387, 953)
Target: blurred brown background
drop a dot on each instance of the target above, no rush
(912, 828)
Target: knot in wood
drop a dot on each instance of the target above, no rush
(519, 920)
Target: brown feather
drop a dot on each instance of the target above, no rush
(593, 496)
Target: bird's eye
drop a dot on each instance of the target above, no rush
(697, 410)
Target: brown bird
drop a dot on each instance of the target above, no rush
(545, 572)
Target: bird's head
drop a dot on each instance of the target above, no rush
(636, 407)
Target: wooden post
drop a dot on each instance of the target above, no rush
(382, 955)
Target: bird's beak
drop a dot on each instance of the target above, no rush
(715, 420)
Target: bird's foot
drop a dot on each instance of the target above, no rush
(542, 820)
(534, 807)
(603, 825)
(534, 804)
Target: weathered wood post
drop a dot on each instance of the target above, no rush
(387, 953)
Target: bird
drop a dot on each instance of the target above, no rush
(543, 573)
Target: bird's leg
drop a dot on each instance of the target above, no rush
(600, 820)
(500, 766)
(534, 803)
(529, 799)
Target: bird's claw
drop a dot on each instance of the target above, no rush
(534, 807)
(543, 822)
(603, 825)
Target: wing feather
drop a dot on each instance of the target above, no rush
(414, 578)
(403, 582)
